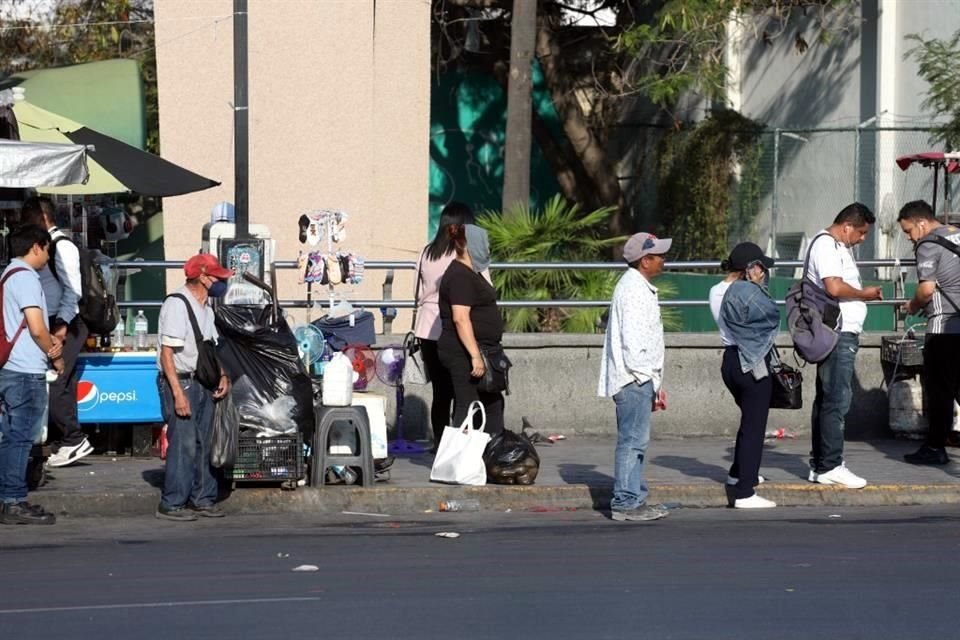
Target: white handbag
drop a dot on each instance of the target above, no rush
(460, 454)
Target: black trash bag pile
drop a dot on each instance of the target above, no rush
(271, 389)
(511, 459)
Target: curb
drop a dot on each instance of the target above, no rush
(407, 500)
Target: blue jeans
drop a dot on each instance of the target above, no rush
(23, 401)
(634, 405)
(832, 402)
(188, 475)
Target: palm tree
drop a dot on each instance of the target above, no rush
(560, 232)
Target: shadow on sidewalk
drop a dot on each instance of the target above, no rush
(896, 448)
(599, 484)
(693, 467)
(793, 463)
(153, 477)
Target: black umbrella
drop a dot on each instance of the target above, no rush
(137, 170)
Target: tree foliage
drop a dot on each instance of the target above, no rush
(696, 168)
(654, 50)
(682, 47)
(79, 31)
(937, 61)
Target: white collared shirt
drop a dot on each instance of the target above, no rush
(633, 345)
(832, 259)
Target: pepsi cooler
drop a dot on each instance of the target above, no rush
(118, 388)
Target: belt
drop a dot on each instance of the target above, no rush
(186, 376)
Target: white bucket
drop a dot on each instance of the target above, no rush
(338, 378)
(905, 398)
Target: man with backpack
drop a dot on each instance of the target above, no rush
(62, 287)
(26, 350)
(938, 297)
(833, 268)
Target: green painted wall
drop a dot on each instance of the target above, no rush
(467, 131)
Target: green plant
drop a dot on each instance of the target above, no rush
(937, 64)
(696, 176)
(559, 232)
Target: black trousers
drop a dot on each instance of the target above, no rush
(457, 361)
(941, 384)
(63, 392)
(442, 388)
(753, 398)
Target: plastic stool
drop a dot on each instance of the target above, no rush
(326, 418)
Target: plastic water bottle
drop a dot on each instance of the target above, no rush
(140, 330)
(118, 334)
(467, 504)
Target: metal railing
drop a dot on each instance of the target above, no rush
(388, 302)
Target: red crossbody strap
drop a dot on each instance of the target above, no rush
(23, 323)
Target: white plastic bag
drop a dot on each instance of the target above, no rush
(460, 454)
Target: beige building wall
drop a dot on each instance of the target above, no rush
(339, 118)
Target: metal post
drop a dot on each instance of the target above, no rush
(241, 155)
(946, 195)
(775, 201)
(856, 166)
(936, 178)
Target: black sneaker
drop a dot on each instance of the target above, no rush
(207, 511)
(928, 455)
(178, 514)
(25, 513)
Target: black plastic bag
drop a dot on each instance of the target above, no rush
(225, 441)
(511, 458)
(260, 355)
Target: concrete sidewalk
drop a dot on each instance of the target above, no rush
(574, 474)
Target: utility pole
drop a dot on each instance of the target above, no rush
(517, 147)
(241, 151)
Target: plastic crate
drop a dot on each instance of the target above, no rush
(902, 352)
(267, 459)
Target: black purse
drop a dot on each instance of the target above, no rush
(208, 366)
(496, 374)
(787, 387)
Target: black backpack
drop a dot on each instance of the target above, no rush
(98, 306)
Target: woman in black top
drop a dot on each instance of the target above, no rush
(470, 322)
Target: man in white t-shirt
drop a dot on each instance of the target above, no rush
(834, 269)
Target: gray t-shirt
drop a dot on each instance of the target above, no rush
(176, 331)
(21, 291)
(942, 266)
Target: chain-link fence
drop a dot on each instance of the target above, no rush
(796, 180)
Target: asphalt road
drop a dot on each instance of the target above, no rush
(785, 573)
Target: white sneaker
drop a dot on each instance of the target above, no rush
(732, 481)
(753, 502)
(838, 476)
(68, 455)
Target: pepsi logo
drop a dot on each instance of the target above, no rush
(88, 395)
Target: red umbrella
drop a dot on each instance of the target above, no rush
(948, 161)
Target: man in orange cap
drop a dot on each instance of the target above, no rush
(190, 486)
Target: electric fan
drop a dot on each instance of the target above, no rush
(364, 364)
(310, 344)
(389, 367)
